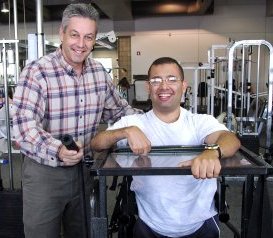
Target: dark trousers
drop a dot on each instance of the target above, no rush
(209, 229)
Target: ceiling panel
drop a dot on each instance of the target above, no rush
(117, 10)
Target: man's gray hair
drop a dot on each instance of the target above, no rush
(79, 10)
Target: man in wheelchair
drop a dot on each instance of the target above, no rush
(173, 206)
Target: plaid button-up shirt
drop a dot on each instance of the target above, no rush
(51, 100)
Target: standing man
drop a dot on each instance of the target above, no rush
(173, 206)
(64, 92)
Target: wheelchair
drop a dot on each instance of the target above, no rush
(125, 212)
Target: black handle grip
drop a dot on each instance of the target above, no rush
(69, 143)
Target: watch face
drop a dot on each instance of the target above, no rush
(214, 147)
(211, 146)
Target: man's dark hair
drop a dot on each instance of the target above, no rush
(166, 60)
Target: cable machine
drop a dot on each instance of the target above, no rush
(263, 54)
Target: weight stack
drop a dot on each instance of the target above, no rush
(11, 214)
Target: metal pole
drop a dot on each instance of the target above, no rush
(7, 116)
(195, 90)
(248, 81)
(270, 94)
(257, 88)
(40, 34)
(242, 114)
(212, 92)
(16, 76)
(230, 76)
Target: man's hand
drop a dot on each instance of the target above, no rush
(137, 140)
(71, 157)
(142, 161)
(205, 165)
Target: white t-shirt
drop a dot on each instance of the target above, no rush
(173, 205)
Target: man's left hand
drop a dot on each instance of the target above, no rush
(205, 165)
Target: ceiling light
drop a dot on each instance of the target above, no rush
(4, 8)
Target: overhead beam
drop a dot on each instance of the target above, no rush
(269, 8)
(62, 2)
(203, 6)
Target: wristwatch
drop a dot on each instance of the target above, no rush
(214, 147)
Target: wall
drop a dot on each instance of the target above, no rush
(188, 38)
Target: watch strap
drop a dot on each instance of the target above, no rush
(219, 152)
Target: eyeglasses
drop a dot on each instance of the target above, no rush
(170, 80)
